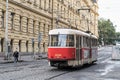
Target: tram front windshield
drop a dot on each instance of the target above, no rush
(61, 40)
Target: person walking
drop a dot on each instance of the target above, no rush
(16, 55)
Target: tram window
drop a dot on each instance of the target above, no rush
(95, 42)
(84, 42)
(92, 42)
(87, 41)
(48, 41)
(80, 41)
(54, 40)
(62, 40)
(71, 40)
(77, 41)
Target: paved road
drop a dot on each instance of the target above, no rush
(104, 69)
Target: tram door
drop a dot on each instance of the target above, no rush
(77, 49)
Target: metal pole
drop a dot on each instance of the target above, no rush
(6, 31)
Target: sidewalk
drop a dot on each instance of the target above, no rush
(24, 58)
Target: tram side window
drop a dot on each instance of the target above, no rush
(49, 41)
(77, 41)
(88, 41)
(93, 43)
(84, 41)
(71, 40)
(80, 43)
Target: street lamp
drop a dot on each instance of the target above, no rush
(6, 32)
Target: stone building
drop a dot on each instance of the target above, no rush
(30, 19)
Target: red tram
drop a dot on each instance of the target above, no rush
(68, 47)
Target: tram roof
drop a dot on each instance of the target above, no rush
(67, 31)
(93, 36)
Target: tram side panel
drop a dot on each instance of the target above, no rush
(85, 49)
(94, 50)
(94, 55)
(85, 55)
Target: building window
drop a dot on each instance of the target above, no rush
(58, 7)
(64, 12)
(2, 44)
(44, 30)
(11, 44)
(61, 12)
(33, 26)
(27, 25)
(39, 3)
(48, 28)
(20, 22)
(45, 4)
(19, 44)
(49, 6)
(27, 46)
(36, 3)
(39, 28)
(12, 20)
(3, 18)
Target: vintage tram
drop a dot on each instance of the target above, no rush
(69, 47)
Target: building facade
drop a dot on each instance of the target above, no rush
(29, 21)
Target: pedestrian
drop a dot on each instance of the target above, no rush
(16, 55)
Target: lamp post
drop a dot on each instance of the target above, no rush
(6, 32)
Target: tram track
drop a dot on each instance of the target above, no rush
(68, 70)
(55, 76)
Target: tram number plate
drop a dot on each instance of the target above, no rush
(58, 55)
